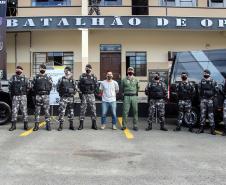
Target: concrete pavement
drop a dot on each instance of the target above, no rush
(107, 157)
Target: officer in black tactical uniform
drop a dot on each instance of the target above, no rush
(67, 88)
(156, 91)
(207, 91)
(87, 85)
(185, 91)
(42, 85)
(18, 87)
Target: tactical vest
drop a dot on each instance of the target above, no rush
(87, 84)
(156, 91)
(184, 91)
(19, 86)
(42, 84)
(207, 89)
(66, 87)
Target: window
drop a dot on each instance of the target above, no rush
(168, 3)
(52, 59)
(140, 7)
(138, 61)
(51, 2)
(217, 3)
(180, 3)
(110, 2)
(214, 60)
(110, 48)
(11, 8)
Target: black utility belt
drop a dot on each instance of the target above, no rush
(130, 94)
(43, 93)
(157, 98)
(19, 94)
(87, 92)
(211, 98)
(67, 96)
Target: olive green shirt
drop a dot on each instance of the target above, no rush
(130, 86)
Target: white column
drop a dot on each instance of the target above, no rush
(85, 5)
(85, 47)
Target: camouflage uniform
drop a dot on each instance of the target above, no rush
(18, 87)
(207, 91)
(87, 85)
(94, 7)
(90, 100)
(185, 90)
(66, 88)
(42, 85)
(157, 92)
(17, 103)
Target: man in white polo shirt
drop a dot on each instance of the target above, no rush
(109, 89)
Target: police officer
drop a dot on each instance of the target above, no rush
(207, 91)
(18, 87)
(157, 92)
(185, 91)
(66, 87)
(94, 7)
(87, 85)
(130, 88)
(42, 85)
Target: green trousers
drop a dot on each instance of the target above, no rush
(130, 101)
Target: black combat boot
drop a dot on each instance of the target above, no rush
(26, 125)
(71, 127)
(224, 131)
(36, 128)
(201, 130)
(81, 125)
(190, 126)
(60, 128)
(123, 128)
(135, 128)
(178, 128)
(212, 130)
(13, 127)
(163, 128)
(94, 125)
(149, 127)
(48, 127)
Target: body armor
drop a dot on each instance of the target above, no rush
(156, 90)
(19, 86)
(207, 89)
(184, 91)
(42, 85)
(67, 87)
(87, 84)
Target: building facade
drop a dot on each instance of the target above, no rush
(127, 33)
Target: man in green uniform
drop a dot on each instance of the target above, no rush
(130, 88)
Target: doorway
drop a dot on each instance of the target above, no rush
(110, 61)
